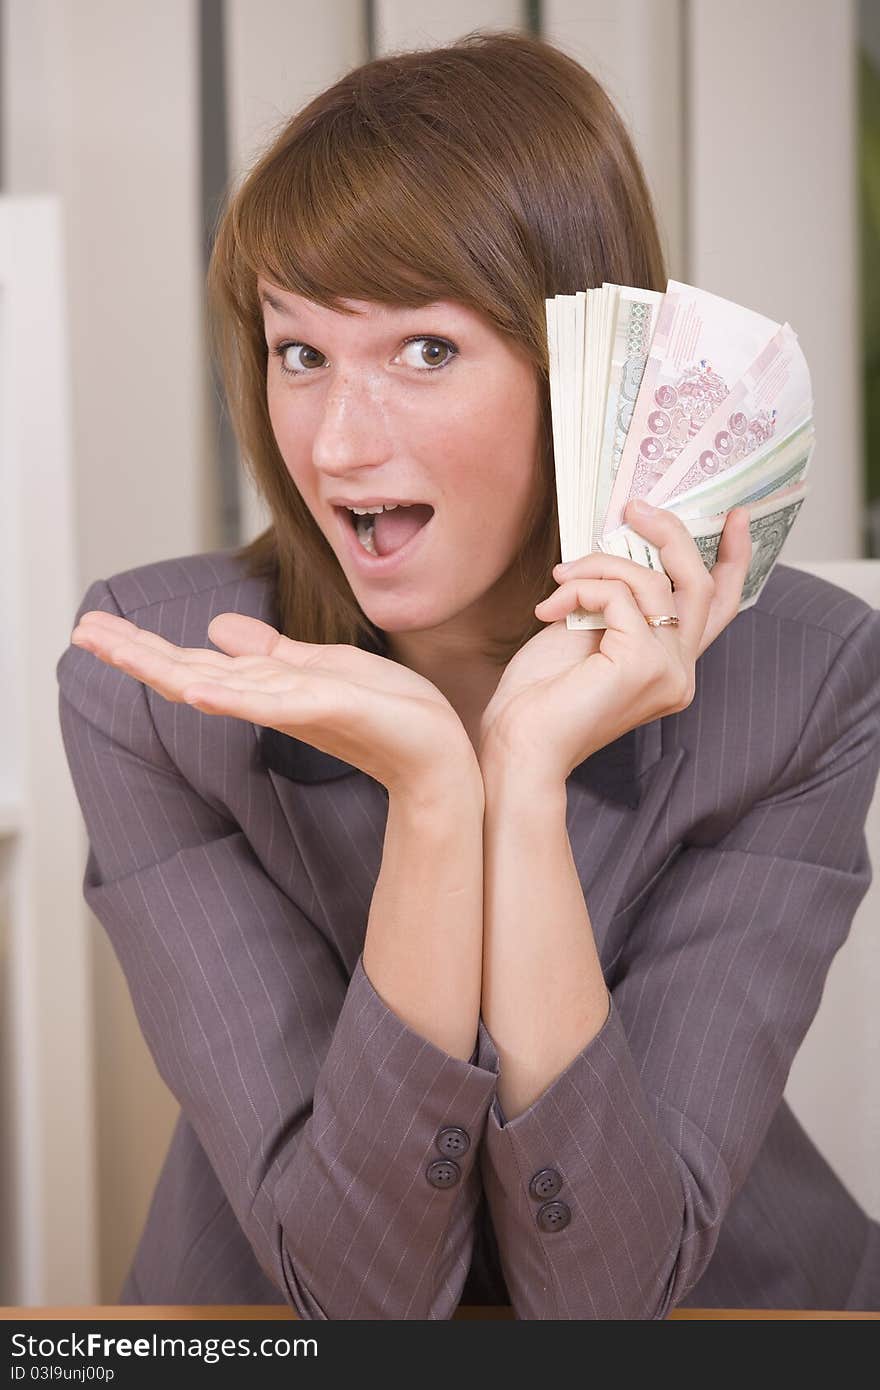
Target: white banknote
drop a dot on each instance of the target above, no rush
(689, 400)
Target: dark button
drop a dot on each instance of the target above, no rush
(553, 1216)
(454, 1141)
(443, 1173)
(545, 1184)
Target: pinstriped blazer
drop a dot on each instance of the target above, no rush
(722, 856)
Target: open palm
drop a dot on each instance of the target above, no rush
(364, 708)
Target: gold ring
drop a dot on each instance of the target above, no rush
(661, 620)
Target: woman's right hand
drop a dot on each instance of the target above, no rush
(366, 709)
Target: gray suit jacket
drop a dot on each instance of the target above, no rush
(330, 1158)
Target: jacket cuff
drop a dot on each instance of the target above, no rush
(565, 1181)
(379, 1201)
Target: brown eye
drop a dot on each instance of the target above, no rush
(434, 352)
(307, 357)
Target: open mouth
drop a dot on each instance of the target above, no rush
(384, 533)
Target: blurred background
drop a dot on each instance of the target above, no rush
(122, 124)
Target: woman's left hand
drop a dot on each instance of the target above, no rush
(567, 693)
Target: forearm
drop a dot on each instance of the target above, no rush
(424, 936)
(544, 996)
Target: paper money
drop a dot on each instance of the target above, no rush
(634, 321)
(769, 523)
(691, 401)
(701, 347)
(770, 400)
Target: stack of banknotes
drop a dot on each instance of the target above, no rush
(688, 400)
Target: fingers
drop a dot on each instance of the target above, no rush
(104, 633)
(705, 605)
(244, 693)
(166, 674)
(615, 599)
(650, 593)
(257, 688)
(729, 572)
(704, 602)
(148, 657)
(241, 635)
(97, 628)
(681, 559)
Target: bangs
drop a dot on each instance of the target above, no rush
(349, 212)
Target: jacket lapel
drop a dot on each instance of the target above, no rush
(611, 773)
(297, 760)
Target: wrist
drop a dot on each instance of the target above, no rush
(452, 778)
(509, 762)
(521, 779)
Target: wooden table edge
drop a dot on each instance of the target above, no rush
(282, 1313)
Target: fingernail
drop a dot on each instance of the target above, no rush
(561, 568)
(641, 507)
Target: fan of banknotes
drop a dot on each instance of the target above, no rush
(688, 400)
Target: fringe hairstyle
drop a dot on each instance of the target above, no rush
(496, 172)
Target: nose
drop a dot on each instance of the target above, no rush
(352, 431)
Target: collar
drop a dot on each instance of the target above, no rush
(611, 772)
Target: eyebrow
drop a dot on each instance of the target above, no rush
(267, 298)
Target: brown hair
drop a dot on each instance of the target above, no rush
(495, 172)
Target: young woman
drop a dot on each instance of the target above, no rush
(476, 950)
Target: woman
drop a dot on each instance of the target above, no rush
(396, 808)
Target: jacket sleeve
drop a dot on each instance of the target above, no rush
(653, 1126)
(320, 1110)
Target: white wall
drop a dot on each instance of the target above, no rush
(635, 49)
(48, 1165)
(772, 214)
(406, 24)
(100, 107)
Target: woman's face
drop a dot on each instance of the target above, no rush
(450, 418)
